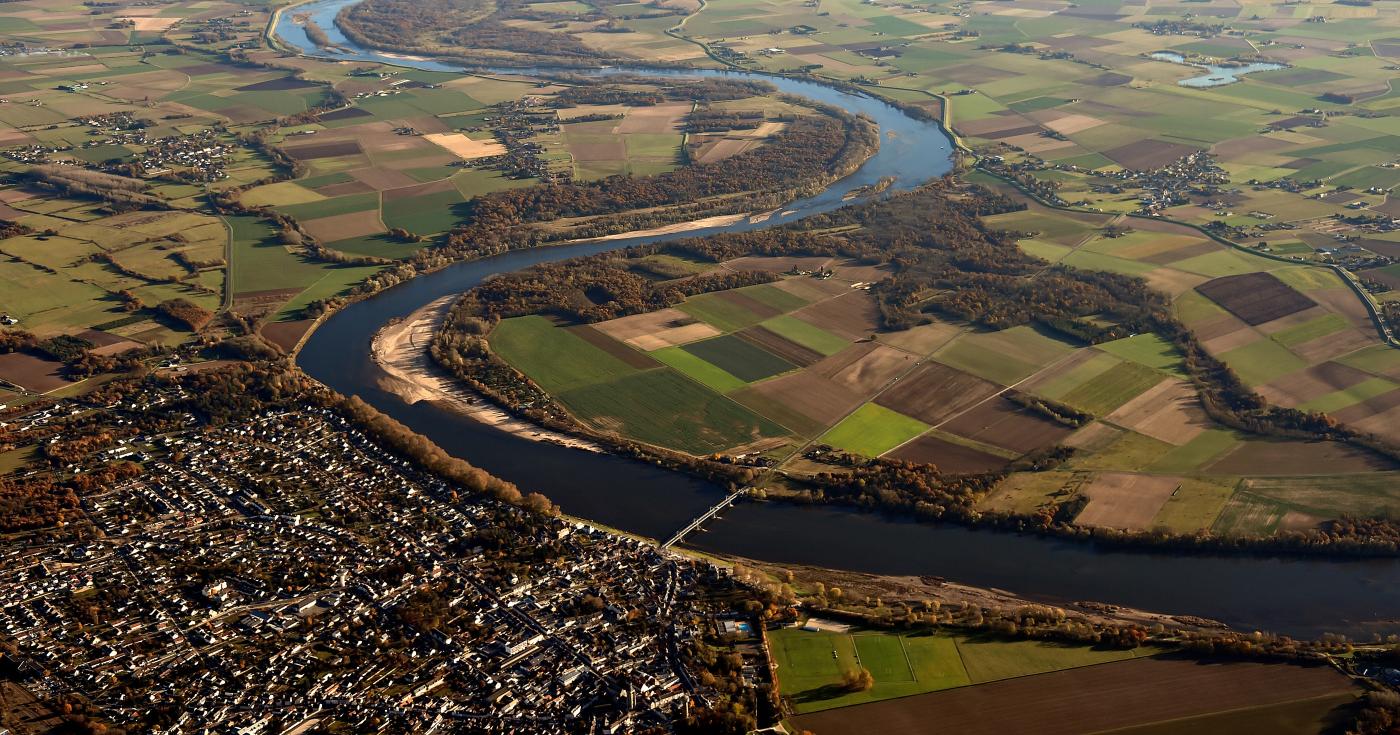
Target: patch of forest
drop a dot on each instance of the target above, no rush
(646, 91)
(448, 26)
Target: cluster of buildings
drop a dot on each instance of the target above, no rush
(200, 156)
(518, 124)
(35, 153)
(286, 573)
(1193, 177)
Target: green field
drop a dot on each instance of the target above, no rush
(1310, 330)
(1261, 361)
(811, 663)
(714, 310)
(1146, 349)
(665, 408)
(967, 355)
(872, 430)
(805, 334)
(1102, 393)
(774, 297)
(1195, 505)
(1337, 400)
(554, 358)
(260, 263)
(710, 375)
(743, 360)
(424, 215)
(1198, 452)
(1021, 344)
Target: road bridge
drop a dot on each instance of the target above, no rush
(707, 515)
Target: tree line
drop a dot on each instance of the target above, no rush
(120, 191)
(586, 91)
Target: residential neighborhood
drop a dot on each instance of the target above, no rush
(285, 572)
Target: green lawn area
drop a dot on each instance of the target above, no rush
(1246, 514)
(1004, 357)
(554, 358)
(261, 263)
(666, 408)
(989, 659)
(475, 182)
(1064, 230)
(1100, 262)
(379, 246)
(872, 430)
(334, 280)
(811, 663)
(1045, 250)
(41, 300)
(984, 363)
(1130, 451)
(1222, 263)
(1372, 495)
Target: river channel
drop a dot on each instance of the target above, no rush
(1300, 597)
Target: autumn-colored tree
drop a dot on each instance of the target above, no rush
(860, 680)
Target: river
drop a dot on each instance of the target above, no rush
(1300, 597)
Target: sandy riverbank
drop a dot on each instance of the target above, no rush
(719, 220)
(401, 350)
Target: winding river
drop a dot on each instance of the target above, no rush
(1300, 597)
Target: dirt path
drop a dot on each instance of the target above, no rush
(401, 350)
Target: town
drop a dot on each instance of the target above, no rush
(285, 572)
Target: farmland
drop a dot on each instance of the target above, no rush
(91, 269)
(1141, 695)
(371, 164)
(673, 403)
(1076, 102)
(940, 394)
(811, 663)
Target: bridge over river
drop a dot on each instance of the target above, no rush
(707, 515)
